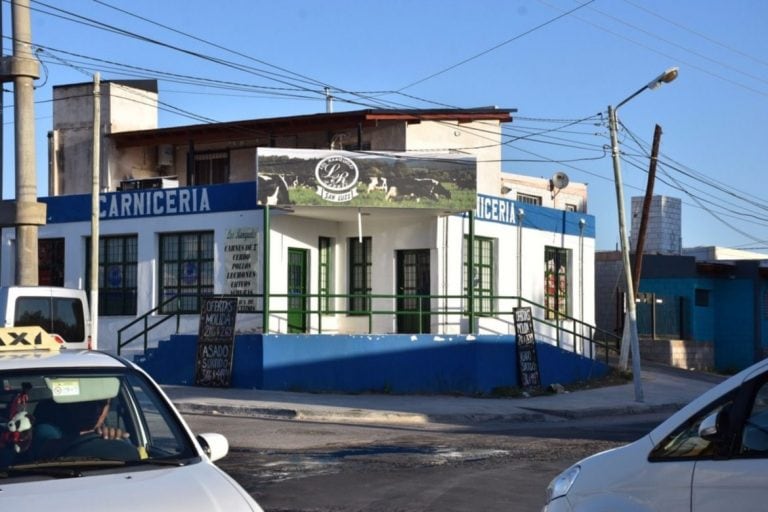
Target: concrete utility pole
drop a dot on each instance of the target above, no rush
(95, 186)
(629, 339)
(26, 214)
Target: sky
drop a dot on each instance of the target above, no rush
(559, 63)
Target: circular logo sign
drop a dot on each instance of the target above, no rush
(337, 178)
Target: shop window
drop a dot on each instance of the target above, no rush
(186, 270)
(50, 256)
(556, 281)
(117, 274)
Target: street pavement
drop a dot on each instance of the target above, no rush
(664, 389)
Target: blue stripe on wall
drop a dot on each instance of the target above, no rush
(506, 211)
(372, 363)
(153, 202)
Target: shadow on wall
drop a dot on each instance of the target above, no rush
(372, 363)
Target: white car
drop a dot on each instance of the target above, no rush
(712, 455)
(84, 430)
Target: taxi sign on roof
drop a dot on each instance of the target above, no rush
(27, 338)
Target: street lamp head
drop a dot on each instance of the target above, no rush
(664, 78)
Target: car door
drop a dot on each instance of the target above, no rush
(738, 479)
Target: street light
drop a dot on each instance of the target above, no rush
(629, 335)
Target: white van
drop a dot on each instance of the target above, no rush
(60, 311)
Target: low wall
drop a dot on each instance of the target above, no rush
(372, 363)
(691, 355)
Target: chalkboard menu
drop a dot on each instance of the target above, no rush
(527, 361)
(216, 341)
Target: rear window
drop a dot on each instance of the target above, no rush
(59, 315)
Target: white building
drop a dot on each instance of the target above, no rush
(180, 217)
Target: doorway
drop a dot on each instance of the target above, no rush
(297, 290)
(413, 279)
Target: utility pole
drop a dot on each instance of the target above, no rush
(25, 213)
(630, 341)
(328, 100)
(95, 186)
(637, 270)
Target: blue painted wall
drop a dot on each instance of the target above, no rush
(729, 321)
(372, 363)
(734, 324)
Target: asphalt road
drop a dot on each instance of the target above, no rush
(304, 466)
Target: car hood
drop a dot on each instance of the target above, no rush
(622, 479)
(198, 487)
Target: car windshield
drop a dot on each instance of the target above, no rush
(51, 418)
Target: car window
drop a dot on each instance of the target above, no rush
(754, 437)
(684, 442)
(65, 416)
(60, 315)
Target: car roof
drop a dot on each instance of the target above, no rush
(65, 358)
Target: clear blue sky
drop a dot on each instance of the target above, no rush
(556, 61)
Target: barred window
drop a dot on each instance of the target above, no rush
(117, 274)
(211, 168)
(360, 264)
(325, 273)
(186, 270)
(528, 199)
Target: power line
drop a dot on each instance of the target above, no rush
(699, 34)
(666, 55)
(493, 48)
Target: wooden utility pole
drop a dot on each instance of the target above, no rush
(640, 246)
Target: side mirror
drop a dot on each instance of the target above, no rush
(215, 446)
(708, 428)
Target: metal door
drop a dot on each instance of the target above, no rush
(413, 279)
(297, 290)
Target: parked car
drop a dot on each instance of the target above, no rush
(60, 311)
(712, 455)
(83, 430)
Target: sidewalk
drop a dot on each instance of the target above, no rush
(664, 389)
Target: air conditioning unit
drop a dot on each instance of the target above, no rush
(148, 183)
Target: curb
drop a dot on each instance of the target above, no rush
(366, 416)
(609, 411)
(236, 410)
(331, 416)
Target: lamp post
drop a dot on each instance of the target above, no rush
(629, 336)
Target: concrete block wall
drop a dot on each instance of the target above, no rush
(691, 355)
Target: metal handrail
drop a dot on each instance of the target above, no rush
(606, 342)
(144, 319)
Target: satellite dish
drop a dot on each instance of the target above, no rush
(559, 180)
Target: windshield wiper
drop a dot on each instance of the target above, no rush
(35, 470)
(60, 468)
(158, 462)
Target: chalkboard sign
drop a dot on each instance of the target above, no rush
(216, 341)
(527, 361)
